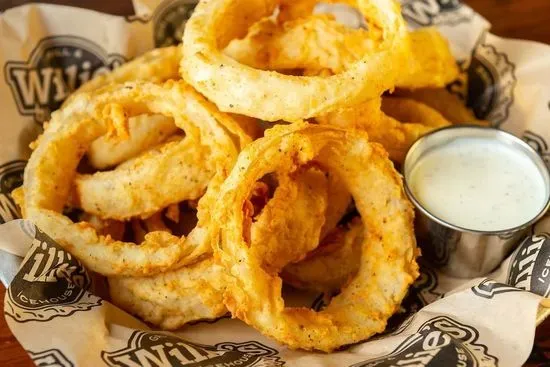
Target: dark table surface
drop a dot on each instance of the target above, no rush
(526, 19)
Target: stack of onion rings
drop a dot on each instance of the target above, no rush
(168, 194)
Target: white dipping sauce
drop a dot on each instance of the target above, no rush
(478, 184)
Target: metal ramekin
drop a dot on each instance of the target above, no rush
(457, 251)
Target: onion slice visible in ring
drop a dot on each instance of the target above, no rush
(289, 226)
(133, 188)
(157, 65)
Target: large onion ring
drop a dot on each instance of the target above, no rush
(318, 42)
(272, 96)
(388, 255)
(51, 169)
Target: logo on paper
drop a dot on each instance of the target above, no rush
(538, 143)
(50, 358)
(441, 341)
(169, 21)
(491, 83)
(530, 266)
(50, 283)
(490, 288)
(435, 12)
(11, 177)
(156, 349)
(56, 67)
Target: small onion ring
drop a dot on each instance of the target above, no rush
(396, 136)
(49, 174)
(173, 299)
(272, 96)
(388, 266)
(408, 110)
(446, 103)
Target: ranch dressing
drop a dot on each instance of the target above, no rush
(478, 184)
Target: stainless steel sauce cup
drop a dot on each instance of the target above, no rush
(462, 252)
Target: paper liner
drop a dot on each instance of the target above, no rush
(54, 306)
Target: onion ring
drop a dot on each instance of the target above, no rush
(272, 96)
(408, 110)
(51, 168)
(191, 293)
(394, 135)
(388, 252)
(320, 42)
(449, 105)
(173, 299)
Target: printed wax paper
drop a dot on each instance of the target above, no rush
(58, 310)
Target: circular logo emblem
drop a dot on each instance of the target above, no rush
(56, 67)
(150, 348)
(441, 341)
(11, 177)
(50, 283)
(491, 83)
(169, 21)
(50, 357)
(530, 266)
(435, 12)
